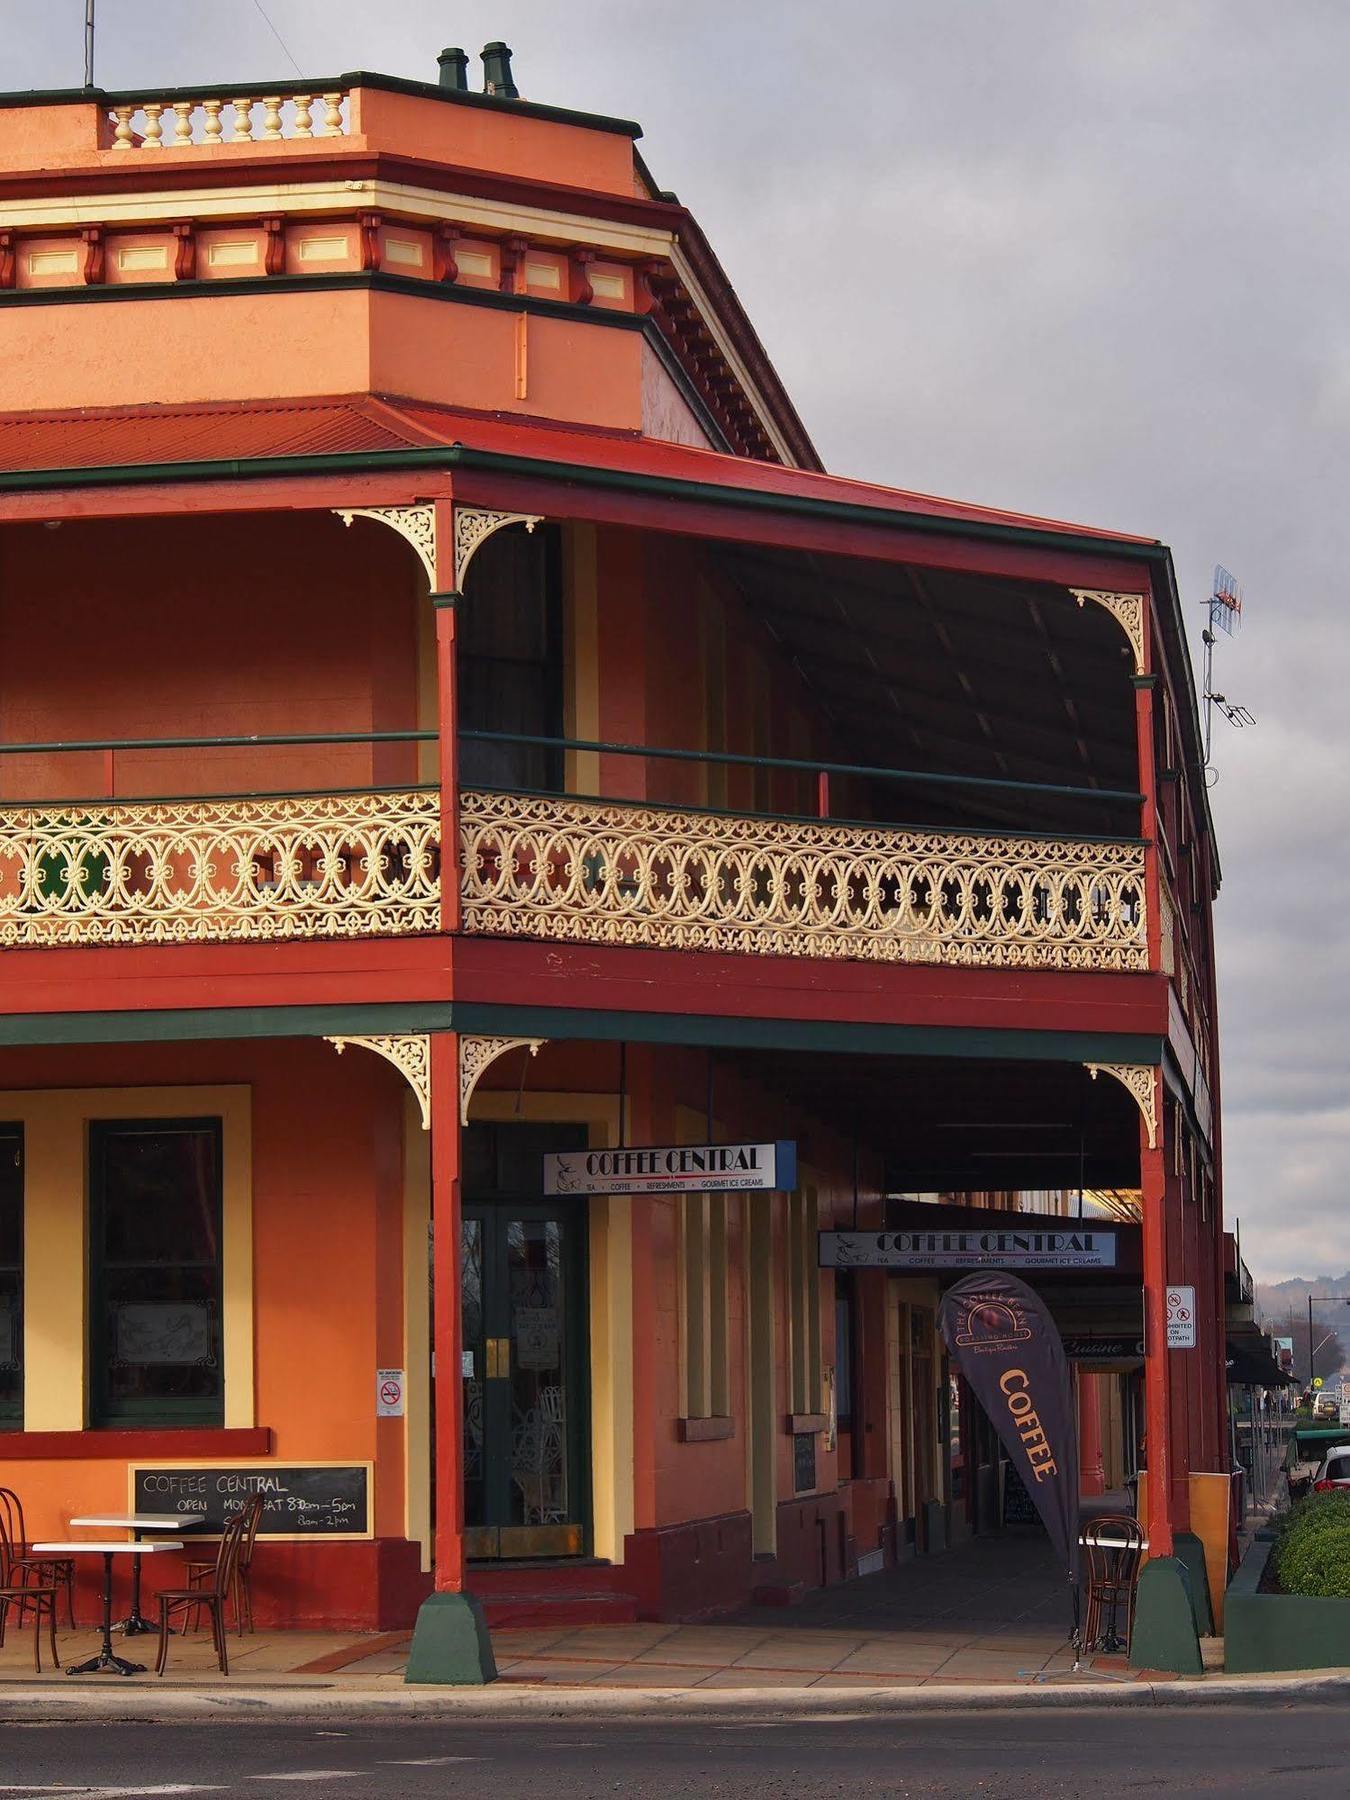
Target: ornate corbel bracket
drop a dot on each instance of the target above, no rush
(476, 1057)
(415, 523)
(410, 1053)
(1128, 612)
(1141, 1083)
(474, 526)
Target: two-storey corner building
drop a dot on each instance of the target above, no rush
(453, 739)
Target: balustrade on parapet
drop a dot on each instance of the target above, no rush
(187, 122)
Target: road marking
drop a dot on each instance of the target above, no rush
(111, 1793)
(311, 1775)
(425, 1762)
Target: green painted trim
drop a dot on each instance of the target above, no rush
(451, 1646)
(448, 600)
(1164, 1636)
(319, 84)
(1144, 681)
(191, 1025)
(1190, 1551)
(162, 1025)
(830, 1035)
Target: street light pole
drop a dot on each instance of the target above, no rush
(1313, 1349)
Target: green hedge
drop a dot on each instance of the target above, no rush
(1312, 1555)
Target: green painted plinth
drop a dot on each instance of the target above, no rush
(1165, 1635)
(1190, 1550)
(451, 1646)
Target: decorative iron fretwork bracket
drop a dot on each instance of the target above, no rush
(415, 523)
(476, 1057)
(1141, 1082)
(474, 526)
(1128, 612)
(410, 1053)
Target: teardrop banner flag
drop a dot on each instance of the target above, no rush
(1007, 1346)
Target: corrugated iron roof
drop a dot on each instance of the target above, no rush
(219, 431)
(226, 432)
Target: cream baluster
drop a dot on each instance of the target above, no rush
(243, 122)
(272, 115)
(214, 128)
(122, 133)
(304, 118)
(154, 130)
(182, 122)
(332, 122)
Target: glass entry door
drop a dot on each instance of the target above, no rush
(524, 1376)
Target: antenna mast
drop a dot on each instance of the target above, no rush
(1225, 614)
(89, 43)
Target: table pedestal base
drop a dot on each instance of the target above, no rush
(105, 1663)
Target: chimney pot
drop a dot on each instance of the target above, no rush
(454, 65)
(497, 71)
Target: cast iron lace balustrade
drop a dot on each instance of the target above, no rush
(606, 873)
(191, 871)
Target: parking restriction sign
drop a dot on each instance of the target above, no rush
(1181, 1318)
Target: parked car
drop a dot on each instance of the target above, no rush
(1327, 1403)
(1333, 1471)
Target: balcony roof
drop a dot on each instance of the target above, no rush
(198, 440)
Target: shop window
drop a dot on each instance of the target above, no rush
(510, 661)
(155, 1273)
(804, 1301)
(703, 1284)
(11, 1278)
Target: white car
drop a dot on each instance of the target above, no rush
(1333, 1471)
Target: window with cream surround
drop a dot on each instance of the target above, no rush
(56, 1254)
(703, 1287)
(11, 1277)
(803, 1276)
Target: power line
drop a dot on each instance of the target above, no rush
(277, 35)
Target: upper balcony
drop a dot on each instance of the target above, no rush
(662, 743)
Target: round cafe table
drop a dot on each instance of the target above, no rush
(105, 1661)
(138, 1524)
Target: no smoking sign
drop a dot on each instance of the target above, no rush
(388, 1393)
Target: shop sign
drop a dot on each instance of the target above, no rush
(536, 1329)
(1082, 1247)
(1181, 1318)
(1103, 1349)
(674, 1169)
(388, 1393)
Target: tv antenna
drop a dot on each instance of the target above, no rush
(88, 43)
(1225, 614)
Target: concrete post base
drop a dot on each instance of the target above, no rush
(1190, 1550)
(450, 1644)
(1164, 1635)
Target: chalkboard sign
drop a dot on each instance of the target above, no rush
(804, 1461)
(314, 1500)
(1018, 1506)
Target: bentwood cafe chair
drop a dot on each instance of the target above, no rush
(17, 1590)
(189, 1602)
(54, 1571)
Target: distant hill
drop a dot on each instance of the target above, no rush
(1275, 1298)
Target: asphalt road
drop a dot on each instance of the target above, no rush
(1270, 1750)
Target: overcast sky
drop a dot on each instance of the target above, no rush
(1086, 259)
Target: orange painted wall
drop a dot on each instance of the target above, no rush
(263, 346)
(195, 627)
(510, 143)
(469, 356)
(327, 1222)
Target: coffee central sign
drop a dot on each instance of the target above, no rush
(1081, 1247)
(674, 1169)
